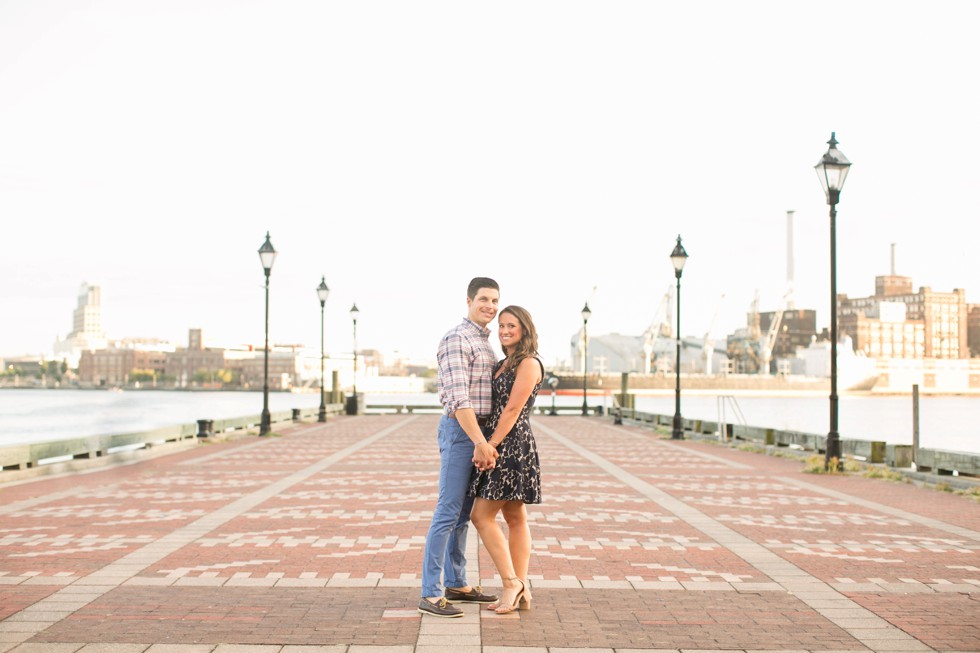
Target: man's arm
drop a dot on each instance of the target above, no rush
(484, 455)
(453, 358)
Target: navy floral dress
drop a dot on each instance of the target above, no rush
(517, 476)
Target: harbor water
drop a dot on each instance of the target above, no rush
(30, 415)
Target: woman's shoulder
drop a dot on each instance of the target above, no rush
(532, 365)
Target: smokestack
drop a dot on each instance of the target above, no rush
(893, 259)
(789, 260)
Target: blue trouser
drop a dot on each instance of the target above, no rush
(445, 545)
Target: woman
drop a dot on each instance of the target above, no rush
(516, 478)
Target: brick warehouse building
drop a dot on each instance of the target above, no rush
(796, 330)
(897, 322)
(184, 363)
(973, 329)
(109, 367)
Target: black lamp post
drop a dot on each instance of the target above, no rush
(267, 255)
(678, 257)
(832, 170)
(353, 316)
(322, 292)
(553, 383)
(586, 314)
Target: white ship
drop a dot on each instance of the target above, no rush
(855, 372)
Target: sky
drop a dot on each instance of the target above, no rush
(400, 148)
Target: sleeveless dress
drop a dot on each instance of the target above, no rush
(517, 476)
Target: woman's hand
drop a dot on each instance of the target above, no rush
(484, 456)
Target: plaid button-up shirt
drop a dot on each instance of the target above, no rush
(465, 369)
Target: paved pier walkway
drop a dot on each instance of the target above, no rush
(312, 541)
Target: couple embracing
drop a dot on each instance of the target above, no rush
(488, 458)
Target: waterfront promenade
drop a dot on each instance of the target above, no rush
(312, 541)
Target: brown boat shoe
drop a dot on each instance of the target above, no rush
(475, 595)
(439, 609)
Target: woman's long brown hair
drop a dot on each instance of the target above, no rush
(528, 345)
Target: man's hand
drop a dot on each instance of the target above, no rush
(484, 456)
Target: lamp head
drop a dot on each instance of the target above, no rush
(678, 257)
(267, 254)
(832, 170)
(586, 313)
(322, 291)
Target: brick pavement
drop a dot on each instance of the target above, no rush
(313, 542)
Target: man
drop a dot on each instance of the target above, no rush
(465, 376)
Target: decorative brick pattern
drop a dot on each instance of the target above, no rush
(313, 542)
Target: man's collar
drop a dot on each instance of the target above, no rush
(484, 331)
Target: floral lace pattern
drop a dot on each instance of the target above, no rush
(517, 476)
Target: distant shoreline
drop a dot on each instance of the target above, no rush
(946, 422)
(757, 392)
(566, 392)
(746, 392)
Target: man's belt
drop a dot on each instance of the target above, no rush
(482, 421)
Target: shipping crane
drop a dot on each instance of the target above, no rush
(659, 328)
(745, 343)
(708, 349)
(767, 345)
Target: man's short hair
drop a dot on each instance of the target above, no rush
(480, 282)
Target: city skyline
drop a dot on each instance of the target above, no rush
(399, 151)
(198, 333)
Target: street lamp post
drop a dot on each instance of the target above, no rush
(267, 255)
(353, 316)
(322, 291)
(832, 170)
(586, 314)
(553, 383)
(678, 257)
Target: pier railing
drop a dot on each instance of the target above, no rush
(33, 454)
(540, 409)
(937, 461)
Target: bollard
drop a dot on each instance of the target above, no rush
(296, 414)
(351, 405)
(624, 397)
(915, 423)
(877, 452)
(205, 428)
(898, 455)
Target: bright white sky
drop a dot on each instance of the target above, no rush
(400, 148)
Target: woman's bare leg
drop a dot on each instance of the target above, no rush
(484, 517)
(519, 536)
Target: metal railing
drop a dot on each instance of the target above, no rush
(937, 461)
(726, 403)
(30, 455)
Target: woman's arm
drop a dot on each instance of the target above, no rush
(528, 376)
